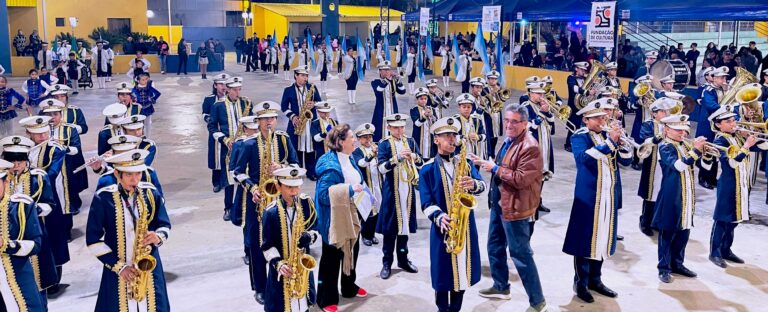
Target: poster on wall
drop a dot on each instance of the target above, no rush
(600, 32)
(492, 18)
(423, 21)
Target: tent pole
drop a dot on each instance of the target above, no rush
(736, 33)
(719, 32)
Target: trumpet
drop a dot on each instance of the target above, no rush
(447, 94)
(504, 94)
(643, 150)
(763, 126)
(713, 150)
(409, 172)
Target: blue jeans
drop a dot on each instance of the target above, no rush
(163, 58)
(516, 236)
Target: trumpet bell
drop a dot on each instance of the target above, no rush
(645, 151)
(505, 94)
(448, 95)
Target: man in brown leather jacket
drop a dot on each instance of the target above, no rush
(513, 199)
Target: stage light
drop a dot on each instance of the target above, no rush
(150, 14)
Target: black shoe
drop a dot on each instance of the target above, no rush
(76, 212)
(584, 295)
(386, 272)
(247, 260)
(646, 230)
(706, 185)
(226, 216)
(408, 267)
(56, 290)
(367, 242)
(568, 149)
(718, 262)
(216, 189)
(637, 166)
(682, 270)
(259, 298)
(665, 277)
(619, 237)
(542, 208)
(600, 288)
(375, 240)
(733, 258)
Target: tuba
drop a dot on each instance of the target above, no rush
(748, 97)
(143, 260)
(461, 206)
(592, 81)
(267, 184)
(305, 114)
(300, 263)
(644, 93)
(742, 79)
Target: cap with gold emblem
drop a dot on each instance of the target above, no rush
(477, 81)
(537, 87)
(36, 124)
(396, 120)
(532, 79)
(365, 129)
(129, 161)
(266, 109)
(492, 74)
(611, 65)
(234, 82)
(123, 142)
(291, 176)
(421, 92)
(124, 87)
(221, 78)
(667, 79)
(724, 112)
(51, 105)
(250, 122)
(59, 89)
(323, 107)
(652, 54)
(114, 112)
(677, 122)
(16, 144)
(133, 122)
(720, 71)
(4, 166)
(301, 70)
(431, 83)
(445, 125)
(465, 98)
(581, 65)
(384, 65)
(594, 108)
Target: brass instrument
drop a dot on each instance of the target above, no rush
(713, 150)
(562, 114)
(505, 94)
(408, 171)
(763, 126)
(644, 93)
(305, 114)
(748, 96)
(643, 150)
(592, 81)
(300, 263)
(447, 94)
(743, 78)
(460, 207)
(143, 260)
(267, 183)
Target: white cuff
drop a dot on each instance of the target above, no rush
(362, 163)
(380, 89)
(163, 234)
(78, 128)
(418, 123)
(625, 153)
(430, 210)
(241, 177)
(99, 249)
(596, 154)
(681, 166)
(45, 209)
(72, 150)
(318, 138)
(25, 247)
(217, 135)
(271, 254)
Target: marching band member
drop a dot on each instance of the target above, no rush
(591, 234)
(114, 113)
(764, 87)
(398, 156)
(247, 165)
(323, 67)
(423, 116)
(286, 60)
(642, 113)
(350, 74)
(146, 95)
(20, 238)
(385, 89)
(398, 55)
(121, 144)
(675, 203)
(540, 123)
(365, 157)
(224, 127)
(214, 148)
(493, 118)
(304, 58)
(612, 80)
(472, 127)
(513, 197)
(73, 114)
(121, 214)
(33, 182)
(733, 186)
(299, 99)
(453, 272)
(320, 128)
(125, 97)
(477, 84)
(339, 194)
(436, 98)
(445, 64)
(710, 103)
(49, 156)
(292, 212)
(134, 125)
(465, 69)
(652, 132)
(575, 83)
(411, 69)
(529, 81)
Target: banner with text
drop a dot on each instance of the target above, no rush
(492, 18)
(423, 21)
(600, 33)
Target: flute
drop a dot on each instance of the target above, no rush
(89, 162)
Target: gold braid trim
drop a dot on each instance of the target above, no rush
(5, 231)
(122, 290)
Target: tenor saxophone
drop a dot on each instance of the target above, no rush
(142, 255)
(305, 114)
(460, 207)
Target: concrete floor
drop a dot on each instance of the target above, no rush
(205, 272)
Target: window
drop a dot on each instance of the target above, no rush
(234, 19)
(119, 25)
(59, 22)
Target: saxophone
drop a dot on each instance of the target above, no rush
(267, 184)
(305, 114)
(142, 255)
(300, 263)
(461, 205)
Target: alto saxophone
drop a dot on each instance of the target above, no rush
(142, 254)
(267, 183)
(460, 207)
(300, 263)
(305, 114)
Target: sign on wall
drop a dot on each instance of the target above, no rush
(492, 18)
(601, 29)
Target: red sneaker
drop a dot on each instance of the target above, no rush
(331, 308)
(361, 293)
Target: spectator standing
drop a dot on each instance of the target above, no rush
(35, 43)
(129, 47)
(753, 49)
(749, 61)
(164, 49)
(239, 47)
(692, 57)
(142, 46)
(559, 58)
(728, 60)
(183, 55)
(19, 42)
(202, 59)
(536, 61)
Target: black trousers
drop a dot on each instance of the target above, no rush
(672, 249)
(388, 247)
(710, 175)
(258, 264)
(588, 271)
(249, 62)
(492, 145)
(449, 301)
(229, 196)
(328, 276)
(646, 217)
(368, 228)
(216, 177)
(465, 86)
(722, 239)
(307, 160)
(182, 64)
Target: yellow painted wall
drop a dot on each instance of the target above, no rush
(24, 18)
(265, 22)
(162, 30)
(91, 14)
(21, 65)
